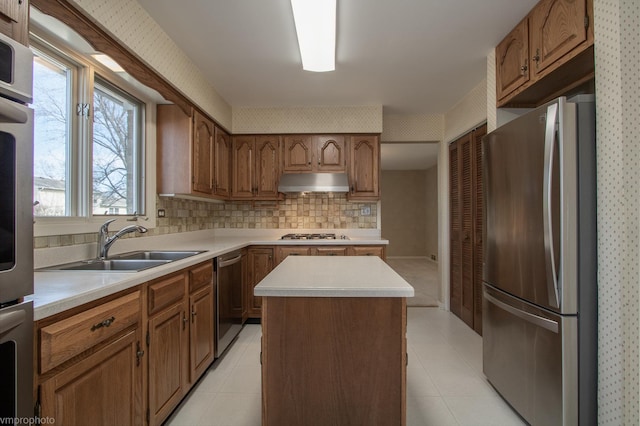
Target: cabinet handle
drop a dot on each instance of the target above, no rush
(524, 68)
(139, 353)
(105, 323)
(537, 57)
(184, 320)
(193, 315)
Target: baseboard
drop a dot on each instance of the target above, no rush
(414, 257)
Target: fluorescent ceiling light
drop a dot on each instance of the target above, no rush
(108, 62)
(316, 28)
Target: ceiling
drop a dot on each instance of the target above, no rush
(410, 56)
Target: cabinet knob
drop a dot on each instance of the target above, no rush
(105, 323)
(524, 68)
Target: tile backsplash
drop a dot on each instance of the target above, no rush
(309, 211)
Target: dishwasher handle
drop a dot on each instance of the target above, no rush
(226, 262)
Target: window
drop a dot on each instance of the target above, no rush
(89, 150)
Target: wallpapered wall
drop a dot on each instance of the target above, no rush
(617, 37)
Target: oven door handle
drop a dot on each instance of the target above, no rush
(227, 262)
(11, 320)
(11, 113)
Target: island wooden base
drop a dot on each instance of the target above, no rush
(334, 361)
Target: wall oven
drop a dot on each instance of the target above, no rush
(16, 231)
(228, 299)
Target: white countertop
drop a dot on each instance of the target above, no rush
(57, 291)
(333, 276)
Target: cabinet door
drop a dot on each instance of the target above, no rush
(331, 154)
(284, 251)
(512, 60)
(104, 388)
(298, 153)
(557, 27)
(267, 167)
(329, 251)
(168, 351)
(14, 19)
(202, 154)
(201, 332)
(260, 263)
(242, 186)
(364, 170)
(478, 226)
(222, 159)
(455, 262)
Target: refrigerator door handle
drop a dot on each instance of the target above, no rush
(539, 321)
(549, 147)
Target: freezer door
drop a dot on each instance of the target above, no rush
(530, 356)
(527, 229)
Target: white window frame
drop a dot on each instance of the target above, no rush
(85, 222)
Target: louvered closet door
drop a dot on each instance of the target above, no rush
(455, 262)
(466, 227)
(478, 224)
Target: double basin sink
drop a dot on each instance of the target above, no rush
(132, 261)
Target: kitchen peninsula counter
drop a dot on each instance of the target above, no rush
(333, 342)
(57, 291)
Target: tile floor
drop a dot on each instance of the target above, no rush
(445, 384)
(422, 274)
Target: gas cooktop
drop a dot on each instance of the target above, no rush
(322, 236)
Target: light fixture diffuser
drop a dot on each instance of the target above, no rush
(315, 22)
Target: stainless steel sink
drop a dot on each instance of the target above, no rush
(156, 255)
(126, 262)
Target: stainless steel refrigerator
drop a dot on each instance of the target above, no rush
(539, 292)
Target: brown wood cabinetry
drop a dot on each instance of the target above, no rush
(222, 163)
(364, 168)
(367, 251)
(512, 60)
(14, 20)
(180, 336)
(314, 153)
(260, 261)
(550, 52)
(193, 154)
(329, 251)
(168, 345)
(91, 364)
(322, 360)
(283, 251)
(255, 167)
(466, 222)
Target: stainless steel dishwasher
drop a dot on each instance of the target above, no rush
(228, 299)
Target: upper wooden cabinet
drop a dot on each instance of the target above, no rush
(14, 20)
(202, 154)
(512, 60)
(193, 155)
(557, 28)
(222, 163)
(255, 167)
(364, 168)
(548, 54)
(309, 153)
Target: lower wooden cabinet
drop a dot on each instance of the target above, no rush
(180, 336)
(91, 364)
(260, 261)
(104, 388)
(128, 359)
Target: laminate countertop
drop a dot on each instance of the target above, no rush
(333, 276)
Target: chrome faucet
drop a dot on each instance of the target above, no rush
(105, 242)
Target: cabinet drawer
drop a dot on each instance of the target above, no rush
(330, 251)
(367, 251)
(67, 338)
(200, 276)
(165, 292)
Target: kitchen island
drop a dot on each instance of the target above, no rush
(333, 342)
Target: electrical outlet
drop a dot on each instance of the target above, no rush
(365, 211)
(433, 257)
(160, 212)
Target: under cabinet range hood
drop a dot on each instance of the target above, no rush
(314, 182)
